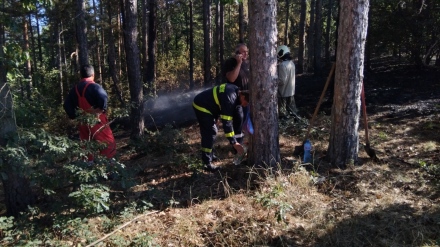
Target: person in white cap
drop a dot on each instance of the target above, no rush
(286, 84)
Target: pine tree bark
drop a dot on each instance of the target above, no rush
(216, 44)
(264, 148)
(98, 73)
(222, 34)
(81, 32)
(191, 45)
(16, 187)
(286, 24)
(344, 138)
(111, 57)
(33, 51)
(27, 63)
(152, 40)
(240, 22)
(318, 36)
(133, 69)
(311, 38)
(327, 31)
(60, 63)
(207, 77)
(301, 37)
(144, 42)
(2, 65)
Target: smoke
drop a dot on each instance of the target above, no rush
(174, 108)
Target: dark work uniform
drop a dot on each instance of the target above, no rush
(242, 82)
(87, 95)
(211, 104)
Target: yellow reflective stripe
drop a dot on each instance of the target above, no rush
(201, 108)
(207, 150)
(225, 117)
(230, 134)
(222, 88)
(214, 91)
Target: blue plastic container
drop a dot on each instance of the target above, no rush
(307, 151)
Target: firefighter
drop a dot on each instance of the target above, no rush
(91, 98)
(212, 104)
(286, 84)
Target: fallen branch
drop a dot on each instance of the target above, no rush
(119, 228)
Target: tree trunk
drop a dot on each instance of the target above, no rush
(191, 45)
(81, 32)
(34, 54)
(207, 77)
(152, 34)
(60, 64)
(144, 39)
(111, 56)
(27, 63)
(2, 65)
(286, 24)
(216, 42)
(103, 42)
(17, 190)
(222, 34)
(264, 149)
(53, 41)
(133, 69)
(98, 73)
(40, 49)
(219, 38)
(166, 32)
(327, 31)
(311, 38)
(240, 22)
(318, 35)
(344, 138)
(120, 38)
(301, 37)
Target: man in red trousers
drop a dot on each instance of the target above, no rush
(91, 98)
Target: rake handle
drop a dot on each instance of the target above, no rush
(364, 113)
(320, 100)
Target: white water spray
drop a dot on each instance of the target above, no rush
(172, 108)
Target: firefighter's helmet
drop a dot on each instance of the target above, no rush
(282, 50)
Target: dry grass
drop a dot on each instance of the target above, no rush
(390, 203)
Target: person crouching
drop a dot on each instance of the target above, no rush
(212, 104)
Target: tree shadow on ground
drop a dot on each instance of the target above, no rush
(396, 225)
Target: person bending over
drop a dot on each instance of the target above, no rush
(216, 103)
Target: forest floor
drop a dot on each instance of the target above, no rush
(393, 201)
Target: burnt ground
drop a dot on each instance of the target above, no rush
(403, 106)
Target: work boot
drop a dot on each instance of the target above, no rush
(211, 168)
(214, 157)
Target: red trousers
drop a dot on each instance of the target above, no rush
(100, 132)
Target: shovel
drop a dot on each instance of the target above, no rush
(371, 152)
(300, 149)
